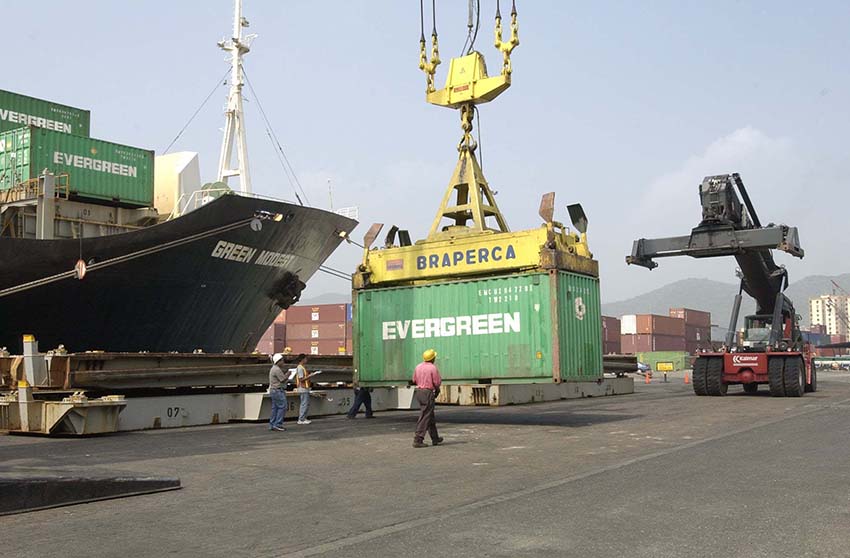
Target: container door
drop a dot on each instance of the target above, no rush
(579, 314)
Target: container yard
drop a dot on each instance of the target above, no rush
(198, 346)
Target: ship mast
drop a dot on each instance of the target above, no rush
(234, 128)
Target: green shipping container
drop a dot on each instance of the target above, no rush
(679, 359)
(531, 328)
(19, 110)
(98, 170)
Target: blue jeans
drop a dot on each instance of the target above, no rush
(278, 397)
(305, 405)
(362, 397)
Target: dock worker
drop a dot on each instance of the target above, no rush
(303, 385)
(362, 397)
(277, 394)
(427, 379)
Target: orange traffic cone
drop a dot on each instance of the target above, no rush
(687, 379)
(647, 378)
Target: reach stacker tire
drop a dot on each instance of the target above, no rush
(794, 377)
(775, 376)
(714, 377)
(700, 366)
(813, 386)
(751, 388)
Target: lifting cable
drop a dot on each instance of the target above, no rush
(422, 19)
(472, 30)
(278, 147)
(334, 272)
(219, 83)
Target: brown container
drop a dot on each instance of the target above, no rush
(322, 347)
(837, 338)
(319, 313)
(660, 325)
(652, 324)
(644, 343)
(281, 318)
(697, 333)
(273, 340)
(610, 329)
(315, 331)
(818, 328)
(611, 347)
(692, 317)
(349, 331)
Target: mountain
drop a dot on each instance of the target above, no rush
(717, 297)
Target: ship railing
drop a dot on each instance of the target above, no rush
(190, 202)
(34, 189)
(199, 198)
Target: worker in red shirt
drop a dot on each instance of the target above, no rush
(427, 380)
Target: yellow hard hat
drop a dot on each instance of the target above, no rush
(287, 350)
(429, 355)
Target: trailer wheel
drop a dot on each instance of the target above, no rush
(714, 377)
(812, 387)
(700, 366)
(795, 377)
(751, 388)
(775, 372)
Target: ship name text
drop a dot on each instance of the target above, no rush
(233, 252)
(245, 254)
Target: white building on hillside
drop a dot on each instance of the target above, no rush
(831, 311)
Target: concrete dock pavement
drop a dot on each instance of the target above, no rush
(658, 473)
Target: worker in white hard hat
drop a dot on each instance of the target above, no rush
(277, 393)
(427, 379)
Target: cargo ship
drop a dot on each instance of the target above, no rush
(107, 247)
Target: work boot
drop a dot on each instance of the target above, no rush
(438, 441)
(418, 444)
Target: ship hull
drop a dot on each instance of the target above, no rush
(186, 285)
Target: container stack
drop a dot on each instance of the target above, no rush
(323, 329)
(697, 328)
(645, 333)
(274, 339)
(610, 335)
(38, 135)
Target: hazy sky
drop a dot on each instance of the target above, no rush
(621, 106)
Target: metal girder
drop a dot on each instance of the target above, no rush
(715, 241)
(208, 376)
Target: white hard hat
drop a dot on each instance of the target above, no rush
(276, 357)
